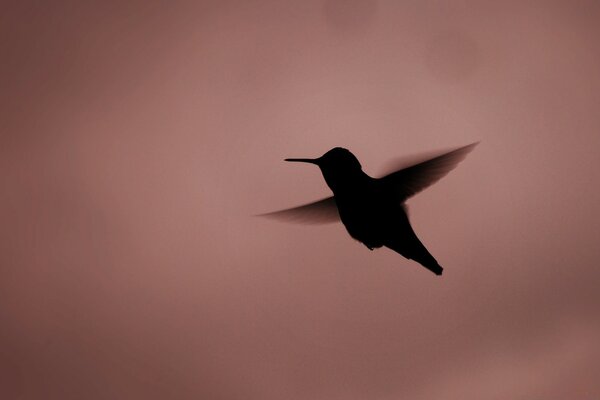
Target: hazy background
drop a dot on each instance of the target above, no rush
(139, 138)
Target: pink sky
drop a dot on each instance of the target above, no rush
(139, 138)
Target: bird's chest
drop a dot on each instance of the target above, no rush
(363, 215)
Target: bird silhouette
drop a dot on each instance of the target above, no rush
(373, 210)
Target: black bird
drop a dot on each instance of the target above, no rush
(373, 209)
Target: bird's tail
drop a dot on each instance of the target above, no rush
(427, 260)
(413, 249)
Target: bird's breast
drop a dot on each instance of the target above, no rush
(364, 216)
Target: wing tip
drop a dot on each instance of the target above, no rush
(467, 148)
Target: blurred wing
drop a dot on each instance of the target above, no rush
(319, 212)
(411, 180)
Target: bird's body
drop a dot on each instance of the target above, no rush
(366, 211)
(373, 209)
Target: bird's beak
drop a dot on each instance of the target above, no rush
(306, 160)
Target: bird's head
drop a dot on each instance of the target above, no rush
(339, 166)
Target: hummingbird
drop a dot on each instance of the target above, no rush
(373, 210)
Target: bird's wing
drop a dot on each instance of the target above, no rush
(323, 211)
(411, 180)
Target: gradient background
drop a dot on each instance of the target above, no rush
(139, 138)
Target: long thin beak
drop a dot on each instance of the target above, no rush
(306, 160)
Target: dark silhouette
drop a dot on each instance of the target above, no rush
(372, 209)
